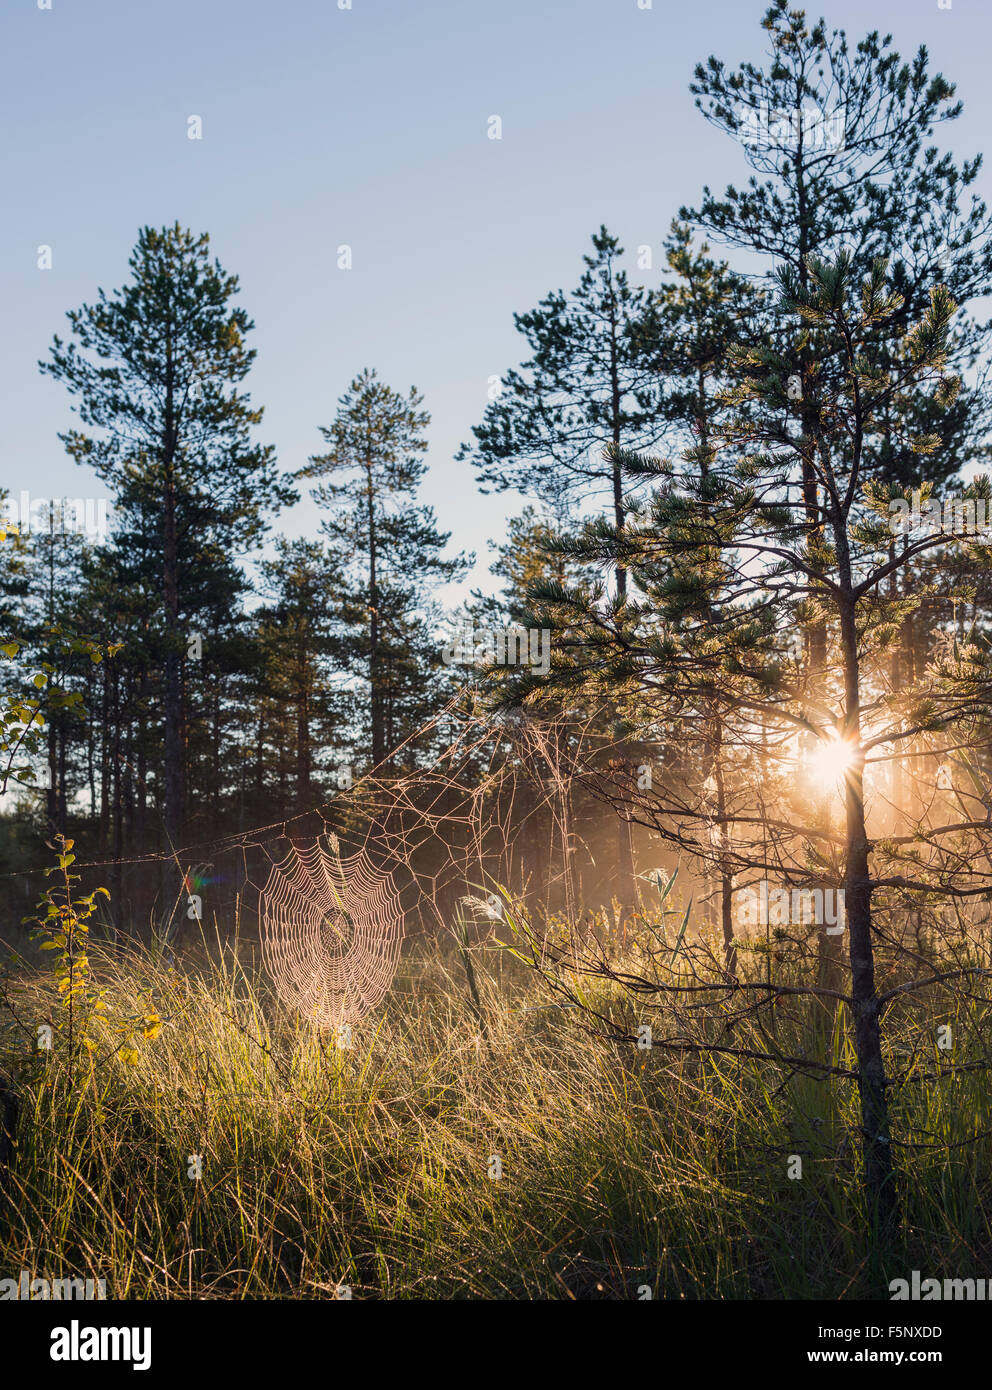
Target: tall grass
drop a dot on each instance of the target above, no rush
(328, 1168)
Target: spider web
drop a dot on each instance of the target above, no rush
(491, 806)
(331, 931)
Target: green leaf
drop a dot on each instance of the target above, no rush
(678, 939)
(667, 888)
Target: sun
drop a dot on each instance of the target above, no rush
(829, 760)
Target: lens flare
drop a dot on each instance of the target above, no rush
(829, 760)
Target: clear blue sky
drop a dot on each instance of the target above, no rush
(324, 126)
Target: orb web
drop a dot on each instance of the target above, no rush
(331, 933)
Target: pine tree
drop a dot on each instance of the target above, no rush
(526, 560)
(839, 142)
(55, 561)
(703, 312)
(726, 559)
(154, 368)
(696, 317)
(388, 550)
(296, 630)
(589, 382)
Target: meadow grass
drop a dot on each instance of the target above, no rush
(369, 1167)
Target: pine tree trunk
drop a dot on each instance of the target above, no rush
(174, 646)
(726, 874)
(625, 848)
(173, 674)
(51, 793)
(879, 1177)
(303, 755)
(375, 691)
(118, 824)
(104, 832)
(90, 749)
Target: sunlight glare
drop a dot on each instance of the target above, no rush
(829, 761)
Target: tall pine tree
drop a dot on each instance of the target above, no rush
(154, 368)
(388, 550)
